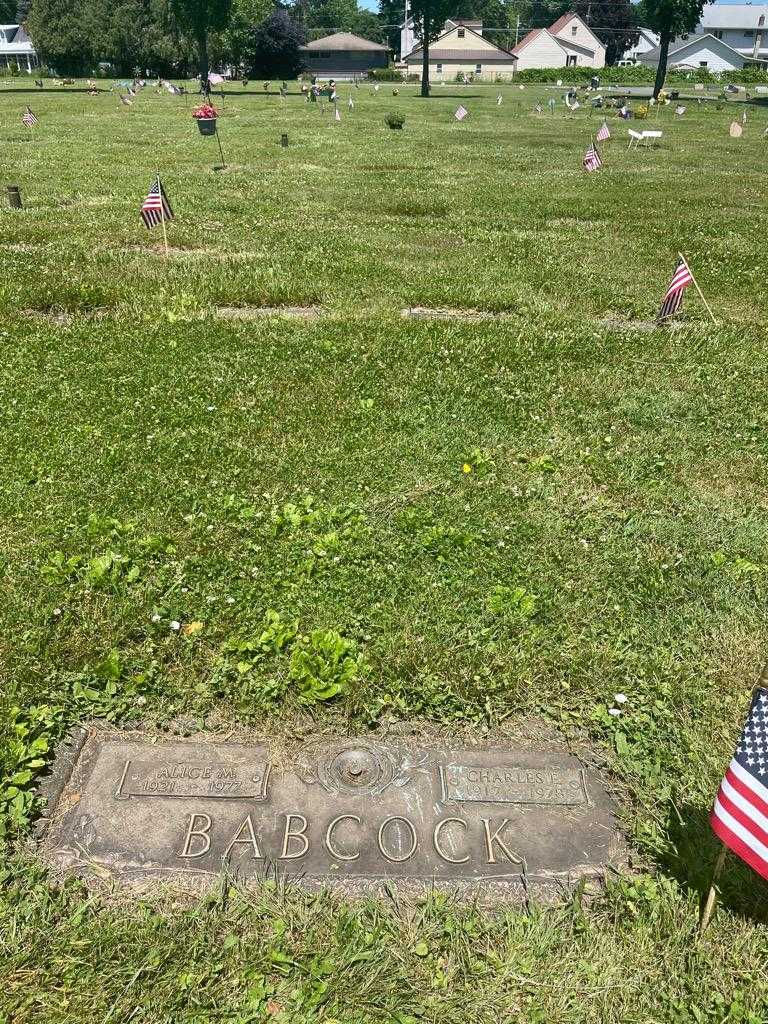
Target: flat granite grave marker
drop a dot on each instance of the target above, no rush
(354, 813)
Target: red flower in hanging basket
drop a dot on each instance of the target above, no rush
(205, 112)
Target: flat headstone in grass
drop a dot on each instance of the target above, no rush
(499, 823)
(259, 312)
(438, 313)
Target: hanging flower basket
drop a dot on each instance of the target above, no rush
(206, 115)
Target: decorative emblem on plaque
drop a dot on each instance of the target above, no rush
(361, 767)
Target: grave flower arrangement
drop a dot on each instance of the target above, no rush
(206, 115)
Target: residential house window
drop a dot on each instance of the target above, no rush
(439, 69)
(747, 33)
(718, 33)
(570, 60)
(702, 63)
(461, 33)
(574, 29)
(478, 69)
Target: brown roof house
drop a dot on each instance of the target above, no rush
(343, 55)
(463, 49)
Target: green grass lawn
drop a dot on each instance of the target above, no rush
(490, 521)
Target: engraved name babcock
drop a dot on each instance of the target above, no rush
(334, 811)
(510, 784)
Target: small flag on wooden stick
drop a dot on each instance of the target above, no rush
(739, 817)
(28, 118)
(603, 132)
(673, 300)
(592, 161)
(156, 209)
(461, 112)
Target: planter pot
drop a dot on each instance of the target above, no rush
(207, 125)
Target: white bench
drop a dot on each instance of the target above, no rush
(635, 138)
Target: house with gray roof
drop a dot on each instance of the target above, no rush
(16, 49)
(343, 55)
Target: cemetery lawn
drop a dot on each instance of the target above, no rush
(474, 524)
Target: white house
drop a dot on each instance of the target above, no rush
(566, 43)
(698, 52)
(16, 48)
(744, 27)
(582, 47)
(648, 40)
(539, 49)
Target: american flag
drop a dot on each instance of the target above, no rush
(740, 814)
(673, 300)
(156, 207)
(28, 118)
(603, 133)
(592, 161)
(461, 112)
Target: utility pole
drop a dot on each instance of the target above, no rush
(517, 30)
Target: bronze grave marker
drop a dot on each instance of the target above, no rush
(354, 813)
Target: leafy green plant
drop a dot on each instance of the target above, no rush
(394, 120)
(324, 665)
(514, 602)
(109, 691)
(33, 732)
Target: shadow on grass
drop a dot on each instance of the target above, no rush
(691, 859)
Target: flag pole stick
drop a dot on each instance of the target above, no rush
(709, 906)
(221, 151)
(162, 215)
(696, 285)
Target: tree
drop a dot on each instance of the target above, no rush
(61, 32)
(273, 48)
(246, 14)
(670, 18)
(324, 16)
(615, 24)
(391, 16)
(428, 20)
(199, 18)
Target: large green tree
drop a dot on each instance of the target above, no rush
(273, 47)
(428, 20)
(62, 31)
(670, 18)
(231, 45)
(198, 18)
